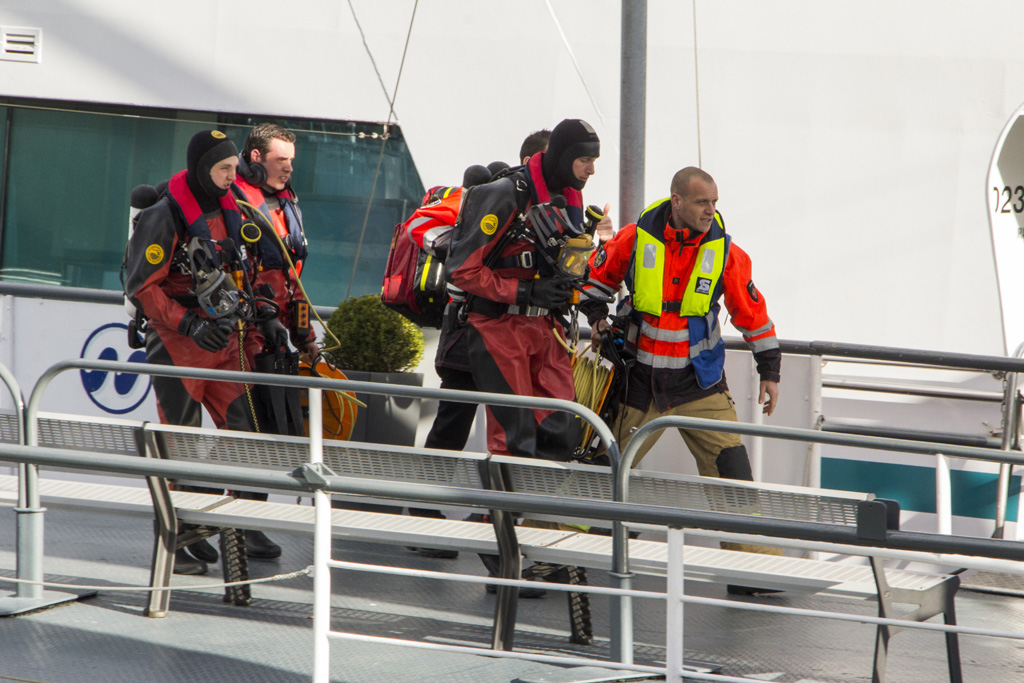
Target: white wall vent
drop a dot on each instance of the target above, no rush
(19, 44)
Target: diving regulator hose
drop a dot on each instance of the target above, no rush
(254, 214)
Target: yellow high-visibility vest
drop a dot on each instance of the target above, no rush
(649, 265)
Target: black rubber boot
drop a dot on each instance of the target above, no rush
(203, 550)
(257, 545)
(187, 565)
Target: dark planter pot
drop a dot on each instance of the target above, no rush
(387, 419)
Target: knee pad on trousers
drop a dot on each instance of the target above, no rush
(733, 463)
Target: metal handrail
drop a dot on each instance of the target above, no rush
(85, 294)
(30, 512)
(617, 512)
(939, 360)
(620, 548)
(11, 382)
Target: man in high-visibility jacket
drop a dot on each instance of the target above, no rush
(679, 265)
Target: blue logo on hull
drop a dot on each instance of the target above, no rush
(119, 392)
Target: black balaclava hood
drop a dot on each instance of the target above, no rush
(570, 140)
(205, 149)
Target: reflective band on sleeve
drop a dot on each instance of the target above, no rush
(766, 344)
(754, 333)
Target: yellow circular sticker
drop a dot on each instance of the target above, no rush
(217, 134)
(489, 224)
(154, 254)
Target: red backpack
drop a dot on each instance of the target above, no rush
(414, 280)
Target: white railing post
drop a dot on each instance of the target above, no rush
(1019, 532)
(321, 549)
(756, 417)
(943, 494)
(812, 466)
(674, 630)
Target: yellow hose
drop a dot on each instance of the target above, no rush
(256, 215)
(592, 380)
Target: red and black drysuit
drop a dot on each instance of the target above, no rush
(513, 348)
(286, 218)
(158, 283)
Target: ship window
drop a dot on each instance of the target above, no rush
(68, 169)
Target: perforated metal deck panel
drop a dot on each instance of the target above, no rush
(9, 428)
(109, 497)
(726, 566)
(682, 491)
(80, 432)
(344, 458)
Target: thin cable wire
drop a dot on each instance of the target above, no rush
(575, 64)
(380, 157)
(369, 54)
(308, 571)
(696, 83)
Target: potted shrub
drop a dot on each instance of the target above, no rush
(376, 344)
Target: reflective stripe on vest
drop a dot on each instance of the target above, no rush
(707, 271)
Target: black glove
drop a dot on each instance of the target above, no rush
(274, 333)
(546, 293)
(210, 335)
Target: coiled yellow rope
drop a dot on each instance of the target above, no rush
(592, 379)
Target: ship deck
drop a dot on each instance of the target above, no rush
(106, 638)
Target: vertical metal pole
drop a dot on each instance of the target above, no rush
(321, 550)
(943, 494)
(632, 109)
(29, 527)
(757, 418)
(621, 613)
(30, 518)
(812, 470)
(674, 608)
(1011, 426)
(620, 617)
(1019, 535)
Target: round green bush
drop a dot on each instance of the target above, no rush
(374, 338)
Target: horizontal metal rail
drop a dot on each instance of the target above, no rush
(908, 390)
(86, 295)
(234, 477)
(815, 436)
(964, 361)
(911, 434)
(806, 348)
(30, 512)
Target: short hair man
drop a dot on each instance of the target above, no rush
(689, 267)
(264, 181)
(535, 142)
